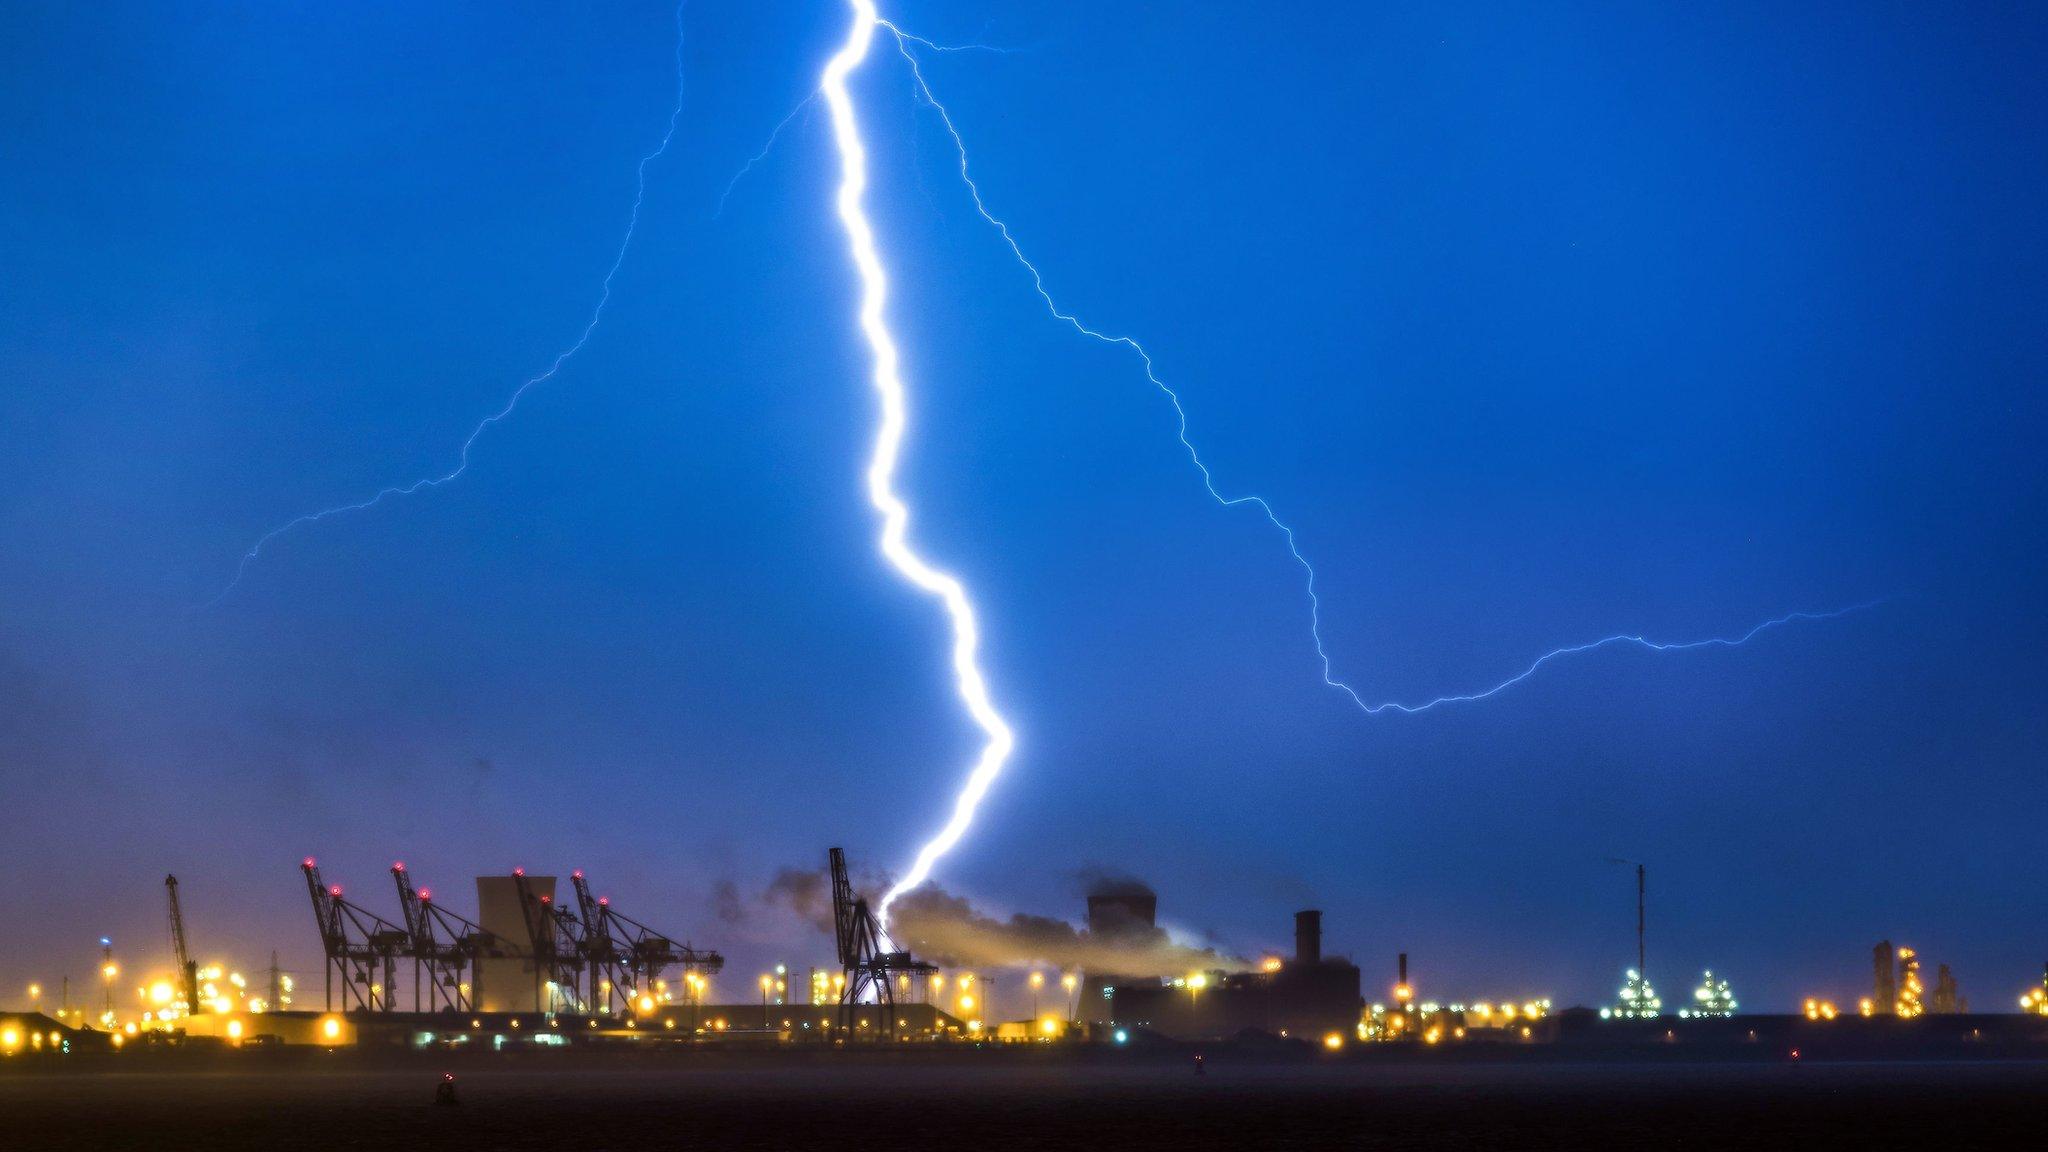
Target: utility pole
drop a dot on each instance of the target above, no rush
(107, 973)
(1640, 965)
(1641, 969)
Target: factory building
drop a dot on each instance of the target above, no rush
(731, 1024)
(1123, 912)
(311, 1029)
(32, 1034)
(1310, 995)
(511, 982)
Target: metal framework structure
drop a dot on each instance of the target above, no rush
(556, 937)
(361, 947)
(623, 959)
(866, 955)
(188, 970)
(444, 947)
(594, 959)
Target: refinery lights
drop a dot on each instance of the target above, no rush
(1711, 999)
(1910, 990)
(1638, 1001)
(2035, 1002)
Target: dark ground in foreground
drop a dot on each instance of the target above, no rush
(855, 1104)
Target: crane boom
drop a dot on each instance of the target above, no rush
(188, 970)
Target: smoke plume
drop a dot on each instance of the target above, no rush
(804, 891)
(725, 898)
(950, 931)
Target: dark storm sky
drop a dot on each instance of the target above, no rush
(1538, 322)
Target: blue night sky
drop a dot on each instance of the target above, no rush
(1538, 322)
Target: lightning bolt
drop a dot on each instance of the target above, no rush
(972, 685)
(1624, 639)
(757, 157)
(803, 105)
(1180, 412)
(563, 357)
(970, 681)
(1315, 607)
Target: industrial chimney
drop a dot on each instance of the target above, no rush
(1885, 987)
(1122, 910)
(1308, 938)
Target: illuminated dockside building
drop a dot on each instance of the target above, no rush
(1308, 996)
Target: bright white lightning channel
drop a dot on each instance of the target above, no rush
(903, 42)
(596, 314)
(889, 385)
(890, 390)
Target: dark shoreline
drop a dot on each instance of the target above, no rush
(960, 1100)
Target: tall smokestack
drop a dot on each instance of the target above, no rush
(1885, 982)
(1122, 910)
(1308, 937)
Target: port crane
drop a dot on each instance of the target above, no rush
(624, 958)
(188, 969)
(361, 947)
(556, 937)
(445, 949)
(870, 960)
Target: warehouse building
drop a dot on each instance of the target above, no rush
(1309, 996)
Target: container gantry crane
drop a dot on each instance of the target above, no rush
(870, 961)
(445, 948)
(361, 947)
(556, 937)
(623, 958)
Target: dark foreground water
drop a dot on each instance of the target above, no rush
(965, 1106)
